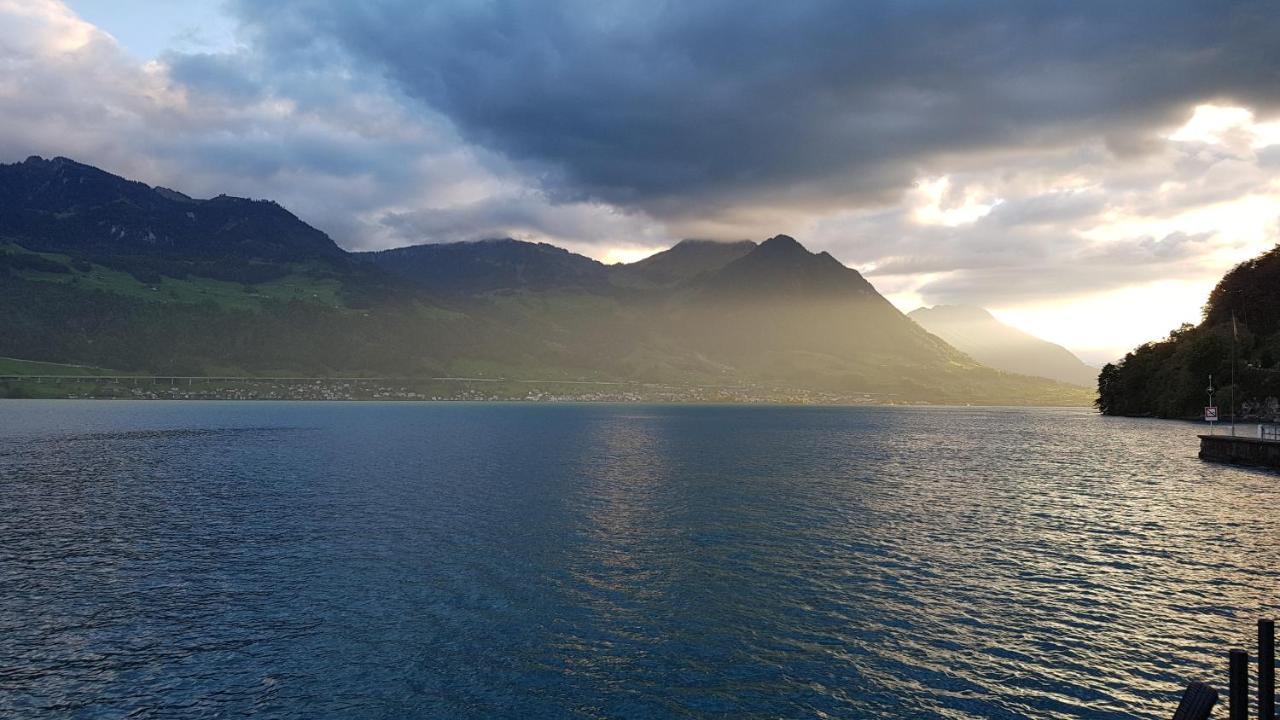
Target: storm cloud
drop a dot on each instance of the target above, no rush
(689, 109)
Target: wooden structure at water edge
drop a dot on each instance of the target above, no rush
(1260, 451)
(1199, 699)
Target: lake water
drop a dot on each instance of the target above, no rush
(367, 560)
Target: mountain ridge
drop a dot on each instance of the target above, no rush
(978, 333)
(682, 262)
(63, 205)
(488, 265)
(268, 293)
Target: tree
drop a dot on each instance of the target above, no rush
(1109, 400)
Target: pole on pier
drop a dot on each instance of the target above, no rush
(1234, 338)
(1238, 705)
(1197, 702)
(1266, 669)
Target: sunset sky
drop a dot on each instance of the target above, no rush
(1086, 170)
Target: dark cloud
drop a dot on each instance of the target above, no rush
(526, 216)
(231, 76)
(337, 144)
(683, 109)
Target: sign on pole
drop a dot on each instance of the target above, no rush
(1211, 414)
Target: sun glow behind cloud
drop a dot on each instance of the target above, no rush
(1207, 200)
(626, 254)
(1219, 125)
(1103, 326)
(934, 202)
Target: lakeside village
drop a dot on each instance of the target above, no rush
(432, 389)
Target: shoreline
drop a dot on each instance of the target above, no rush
(462, 388)
(567, 401)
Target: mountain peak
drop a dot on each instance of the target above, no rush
(58, 161)
(695, 243)
(786, 249)
(682, 262)
(783, 243)
(492, 264)
(782, 266)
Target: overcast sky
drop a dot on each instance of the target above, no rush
(1087, 170)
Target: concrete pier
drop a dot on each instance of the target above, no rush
(1240, 450)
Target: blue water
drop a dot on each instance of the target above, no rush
(365, 560)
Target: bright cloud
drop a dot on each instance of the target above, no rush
(935, 203)
(1094, 251)
(1223, 125)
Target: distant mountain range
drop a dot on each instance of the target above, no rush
(977, 333)
(108, 272)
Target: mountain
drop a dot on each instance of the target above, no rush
(99, 270)
(780, 268)
(776, 315)
(60, 205)
(681, 262)
(977, 333)
(489, 265)
(1168, 378)
(495, 265)
(132, 277)
(787, 315)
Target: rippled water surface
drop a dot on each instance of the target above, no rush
(362, 560)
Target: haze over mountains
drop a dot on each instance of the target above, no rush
(104, 271)
(976, 332)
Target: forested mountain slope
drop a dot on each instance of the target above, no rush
(1169, 378)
